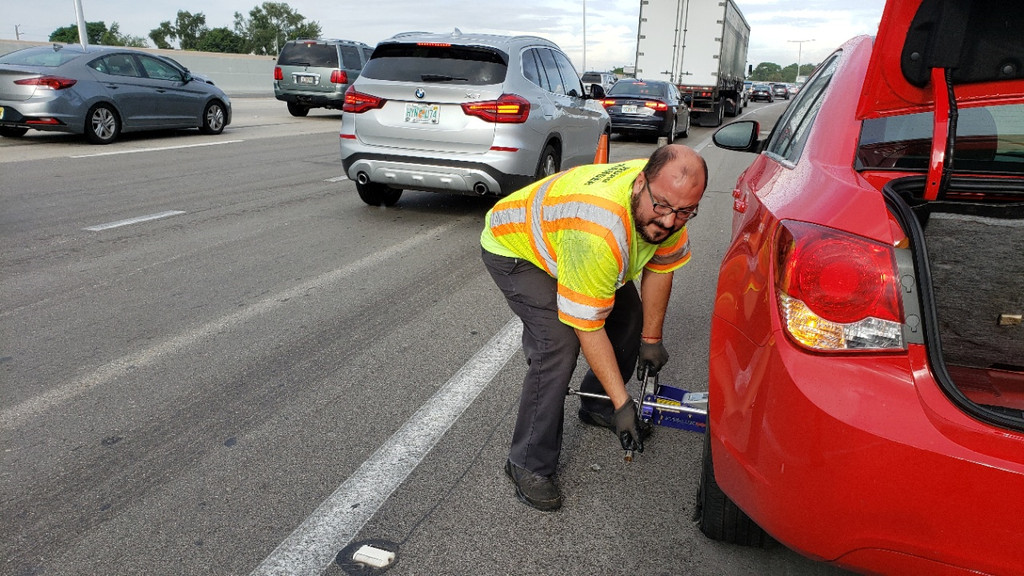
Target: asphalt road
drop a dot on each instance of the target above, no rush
(215, 359)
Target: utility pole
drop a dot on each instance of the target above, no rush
(584, 36)
(800, 45)
(17, 35)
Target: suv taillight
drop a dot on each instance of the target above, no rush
(507, 109)
(357, 102)
(339, 77)
(278, 74)
(51, 82)
(837, 292)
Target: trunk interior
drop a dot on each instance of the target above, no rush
(972, 246)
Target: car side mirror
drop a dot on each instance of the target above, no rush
(739, 136)
(596, 91)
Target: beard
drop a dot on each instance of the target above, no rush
(659, 233)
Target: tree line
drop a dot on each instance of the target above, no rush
(772, 72)
(267, 27)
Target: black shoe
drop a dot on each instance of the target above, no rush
(533, 489)
(602, 421)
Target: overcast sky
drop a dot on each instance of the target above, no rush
(611, 25)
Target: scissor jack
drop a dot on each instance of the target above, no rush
(663, 405)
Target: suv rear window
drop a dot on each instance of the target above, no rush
(437, 63)
(308, 54)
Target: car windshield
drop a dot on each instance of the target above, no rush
(989, 139)
(641, 89)
(49, 58)
(309, 54)
(437, 63)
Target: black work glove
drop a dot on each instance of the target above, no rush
(653, 355)
(627, 427)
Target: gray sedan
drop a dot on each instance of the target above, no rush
(102, 91)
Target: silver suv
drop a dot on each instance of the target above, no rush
(316, 73)
(465, 114)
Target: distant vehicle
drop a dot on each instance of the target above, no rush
(866, 359)
(762, 92)
(701, 47)
(316, 73)
(647, 107)
(603, 79)
(466, 114)
(103, 91)
(780, 90)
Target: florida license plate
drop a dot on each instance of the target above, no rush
(417, 113)
(629, 109)
(305, 79)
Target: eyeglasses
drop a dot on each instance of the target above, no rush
(684, 214)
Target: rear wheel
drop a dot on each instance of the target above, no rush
(102, 124)
(670, 136)
(214, 118)
(12, 131)
(686, 131)
(717, 516)
(376, 194)
(297, 109)
(549, 162)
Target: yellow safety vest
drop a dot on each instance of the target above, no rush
(578, 226)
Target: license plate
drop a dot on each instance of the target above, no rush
(629, 109)
(1, 112)
(417, 113)
(305, 79)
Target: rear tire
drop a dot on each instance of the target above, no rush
(670, 136)
(550, 162)
(102, 124)
(12, 131)
(376, 194)
(297, 109)
(214, 118)
(717, 516)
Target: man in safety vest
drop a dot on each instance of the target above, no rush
(564, 251)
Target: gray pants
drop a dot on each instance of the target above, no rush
(551, 350)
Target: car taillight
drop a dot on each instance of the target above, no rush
(607, 102)
(836, 291)
(278, 74)
(659, 106)
(507, 109)
(339, 77)
(357, 102)
(51, 82)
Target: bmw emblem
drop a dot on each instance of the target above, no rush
(420, 93)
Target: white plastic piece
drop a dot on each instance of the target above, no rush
(374, 557)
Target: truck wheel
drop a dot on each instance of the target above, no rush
(717, 516)
(376, 194)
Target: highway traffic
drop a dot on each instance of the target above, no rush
(216, 359)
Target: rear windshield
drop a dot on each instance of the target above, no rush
(38, 58)
(643, 89)
(988, 139)
(591, 77)
(476, 65)
(309, 54)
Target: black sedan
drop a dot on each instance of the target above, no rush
(762, 92)
(647, 107)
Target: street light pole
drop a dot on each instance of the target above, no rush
(800, 45)
(584, 35)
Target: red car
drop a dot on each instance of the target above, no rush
(866, 369)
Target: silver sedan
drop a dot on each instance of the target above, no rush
(102, 91)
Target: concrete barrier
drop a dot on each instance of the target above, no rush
(239, 75)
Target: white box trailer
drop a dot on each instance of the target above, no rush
(700, 46)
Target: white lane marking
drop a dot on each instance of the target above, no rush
(135, 220)
(311, 548)
(14, 416)
(337, 179)
(137, 150)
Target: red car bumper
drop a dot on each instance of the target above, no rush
(860, 460)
